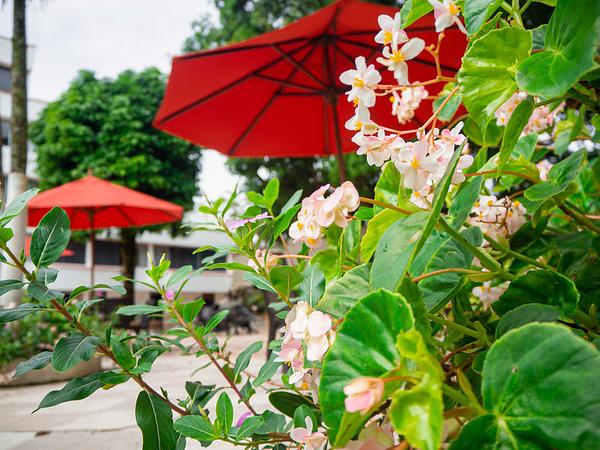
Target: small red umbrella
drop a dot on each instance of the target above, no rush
(92, 203)
(279, 94)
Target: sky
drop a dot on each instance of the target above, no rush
(109, 36)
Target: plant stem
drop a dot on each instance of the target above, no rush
(454, 326)
(579, 218)
(384, 205)
(442, 271)
(455, 395)
(498, 246)
(486, 260)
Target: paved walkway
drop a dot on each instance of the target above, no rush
(106, 419)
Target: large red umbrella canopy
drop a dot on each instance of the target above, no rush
(92, 203)
(279, 94)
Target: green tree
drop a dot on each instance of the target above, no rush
(242, 19)
(106, 125)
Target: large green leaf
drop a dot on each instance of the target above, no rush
(541, 391)
(224, 413)
(413, 10)
(76, 389)
(15, 207)
(539, 286)
(438, 289)
(375, 229)
(155, 419)
(287, 402)
(50, 238)
(487, 76)
(570, 45)
(365, 346)
(394, 250)
(73, 349)
(196, 427)
(527, 313)
(476, 12)
(343, 293)
(285, 278)
(12, 314)
(418, 413)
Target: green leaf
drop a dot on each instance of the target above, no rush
(224, 411)
(73, 349)
(110, 378)
(178, 276)
(243, 359)
(527, 313)
(190, 310)
(375, 229)
(142, 310)
(83, 289)
(257, 199)
(394, 250)
(295, 198)
(250, 425)
(50, 238)
(413, 10)
(313, 284)
(540, 389)
(487, 76)
(271, 192)
(539, 286)
(418, 413)
(155, 419)
(215, 320)
(365, 346)
(570, 47)
(76, 389)
(287, 402)
(43, 293)
(343, 293)
(476, 12)
(10, 285)
(285, 278)
(230, 266)
(17, 206)
(122, 353)
(449, 109)
(282, 222)
(10, 315)
(517, 122)
(463, 202)
(196, 427)
(439, 289)
(267, 370)
(36, 362)
(490, 138)
(259, 281)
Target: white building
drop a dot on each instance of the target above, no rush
(75, 266)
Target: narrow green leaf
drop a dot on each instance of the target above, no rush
(155, 419)
(36, 362)
(196, 427)
(267, 370)
(215, 320)
(76, 389)
(224, 413)
(242, 361)
(73, 349)
(517, 122)
(50, 238)
(17, 206)
(142, 310)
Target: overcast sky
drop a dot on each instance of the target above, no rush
(109, 36)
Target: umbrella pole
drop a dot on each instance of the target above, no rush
(92, 253)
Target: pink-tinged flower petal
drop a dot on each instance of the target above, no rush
(413, 47)
(360, 402)
(170, 295)
(363, 393)
(299, 434)
(318, 323)
(316, 348)
(243, 418)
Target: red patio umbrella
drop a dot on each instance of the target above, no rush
(92, 204)
(279, 94)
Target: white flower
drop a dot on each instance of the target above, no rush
(312, 440)
(424, 197)
(376, 147)
(498, 218)
(405, 105)
(391, 30)
(487, 293)
(361, 121)
(415, 165)
(317, 341)
(446, 14)
(395, 59)
(544, 167)
(503, 113)
(362, 80)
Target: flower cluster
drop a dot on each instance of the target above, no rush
(541, 119)
(498, 217)
(446, 13)
(305, 328)
(319, 212)
(487, 293)
(407, 102)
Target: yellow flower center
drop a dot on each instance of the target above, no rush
(358, 125)
(355, 102)
(358, 82)
(398, 57)
(453, 8)
(300, 225)
(490, 203)
(392, 99)
(415, 163)
(311, 241)
(388, 36)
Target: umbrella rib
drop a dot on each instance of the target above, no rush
(288, 83)
(225, 88)
(297, 65)
(266, 106)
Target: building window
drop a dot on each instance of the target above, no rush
(183, 256)
(107, 253)
(5, 79)
(74, 254)
(4, 133)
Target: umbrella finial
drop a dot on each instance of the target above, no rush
(90, 172)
